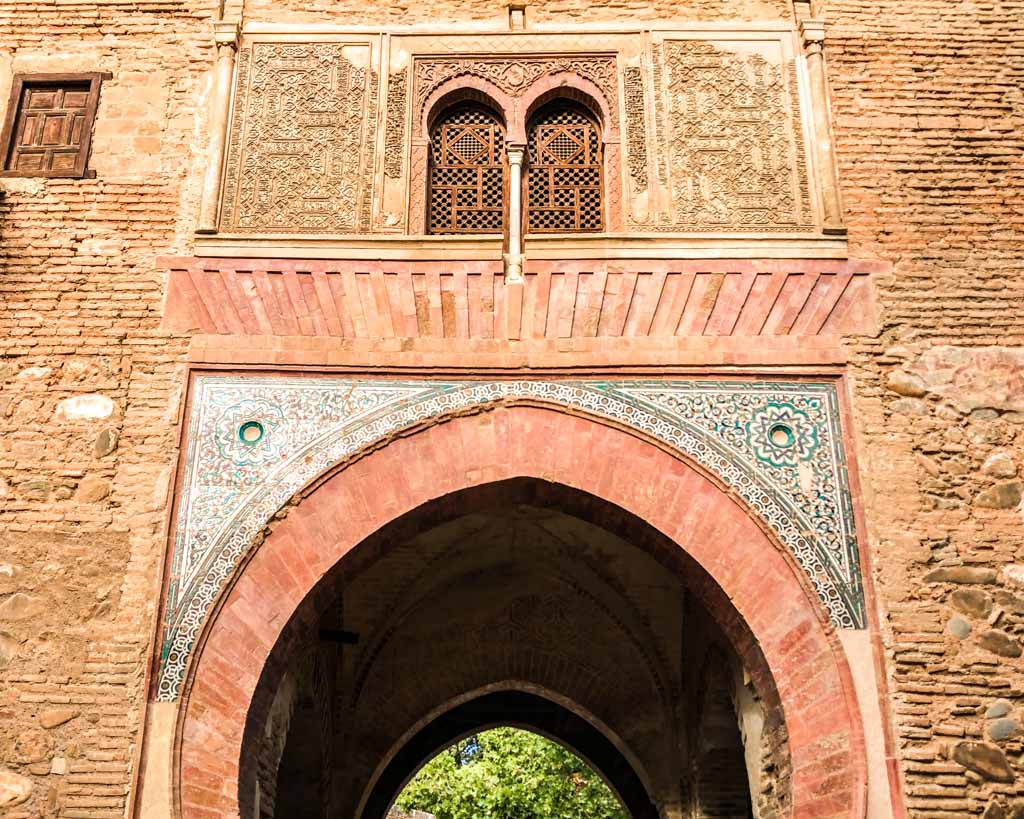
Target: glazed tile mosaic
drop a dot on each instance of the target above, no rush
(254, 441)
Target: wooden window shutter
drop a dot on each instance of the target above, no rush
(48, 127)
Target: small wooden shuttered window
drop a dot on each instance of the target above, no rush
(565, 178)
(49, 124)
(467, 172)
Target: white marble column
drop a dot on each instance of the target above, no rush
(226, 37)
(514, 259)
(812, 33)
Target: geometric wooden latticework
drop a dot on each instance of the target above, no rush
(48, 125)
(467, 172)
(565, 171)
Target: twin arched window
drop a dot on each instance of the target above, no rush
(563, 175)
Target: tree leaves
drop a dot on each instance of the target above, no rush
(514, 774)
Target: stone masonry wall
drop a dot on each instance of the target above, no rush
(928, 110)
(929, 127)
(492, 13)
(89, 398)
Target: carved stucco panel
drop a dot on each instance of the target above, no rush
(394, 135)
(636, 126)
(731, 138)
(301, 151)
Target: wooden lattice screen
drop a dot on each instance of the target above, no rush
(565, 172)
(467, 172)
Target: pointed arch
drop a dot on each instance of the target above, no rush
(531, 710)
(805, 668)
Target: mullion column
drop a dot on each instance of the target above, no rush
(813, 36)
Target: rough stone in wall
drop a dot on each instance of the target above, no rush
(954, 616)
(929, 147)
(89, 386)
(395, 813)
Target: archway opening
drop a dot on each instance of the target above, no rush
(523, 603)
(561, 752)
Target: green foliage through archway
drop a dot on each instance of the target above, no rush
(509, 773)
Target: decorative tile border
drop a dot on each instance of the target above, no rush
(253, 442)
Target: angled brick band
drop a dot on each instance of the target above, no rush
(565, 299)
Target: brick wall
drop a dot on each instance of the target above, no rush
(928, 112)
(83, 498)
(547, 12)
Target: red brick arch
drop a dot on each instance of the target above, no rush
(564, 85)
(808, 668)
(459, 89)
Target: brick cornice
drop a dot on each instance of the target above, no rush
(365, 301)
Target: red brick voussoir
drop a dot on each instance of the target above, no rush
(802, 652)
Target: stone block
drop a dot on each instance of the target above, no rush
(54, 717)
(1013, 575)
(908, 384)
(999, 642)
(19, 607)
(84, 408)
(984, 759)
(999, 708)
(961, 574)
(999, 465)
(911, 406)
(1003, 728)
(106, 442)
(974, 377)
(972, 602)
(92, 490)
(959, 627)
(8, 649)
(14, 789)
(1001, 496)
